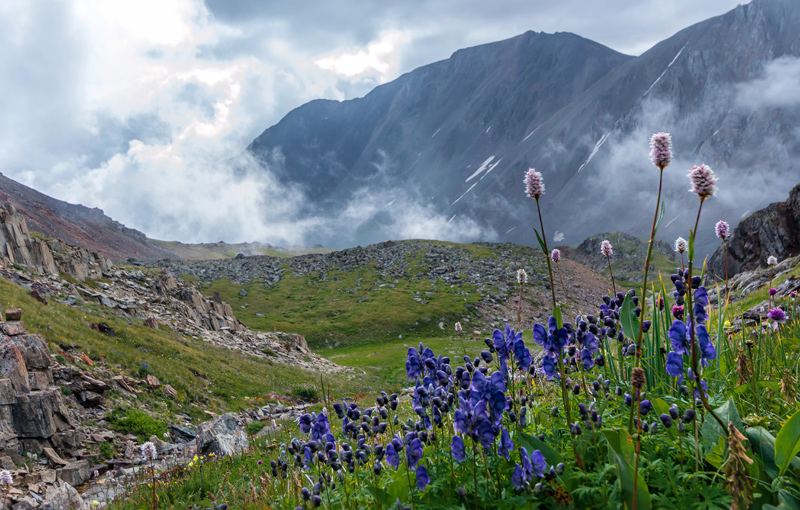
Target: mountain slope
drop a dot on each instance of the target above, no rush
(577, 111)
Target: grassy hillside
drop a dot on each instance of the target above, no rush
(360, 306)
(205, 376)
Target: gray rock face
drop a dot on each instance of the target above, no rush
(457, 135)
(224, 435)
(75, 473)
(774, 230)
(40, 414)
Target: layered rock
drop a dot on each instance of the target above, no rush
(33, 416)
(774, 230)
(45, 256)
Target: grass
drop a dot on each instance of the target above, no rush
(205, 376)
(359, 306)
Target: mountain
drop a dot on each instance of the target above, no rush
(451, 140)
(78, 225)
(772, 231)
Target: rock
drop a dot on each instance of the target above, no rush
(86, 359)
(774, 230)
(152, 381)
(14, 314)
(151, 323)
(183, 431)
(38, 297)
(243, 293)
(75, 473)
(7, 396)
(64, 497)
(40, 414)
(34, 351)
(12, 366)
(7, 463)
(170, 391)
(54, 457)
(12, 328)
(104, 328)
(224, 435)
(25, 504)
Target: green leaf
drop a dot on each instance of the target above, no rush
(763, 444)
(541, 243)
(711, 430)
(557, 315)
(630, 323)
(787, 444)
(621, 445)
(660, 217)
(772, 385)
(662, 407)
(532, 443)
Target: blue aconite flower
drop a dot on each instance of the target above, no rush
(414, 452)
(496, 393)
(320, 428)
(457, 448)
(549, 367)
(422, 477)
(679, 338)
(486, 434)
(674, 364)
(706, 345)
(414, 364)
(553, 339)
(505, 443)
(586, 359)
(532, 466)
(392, 457)
(522, 354)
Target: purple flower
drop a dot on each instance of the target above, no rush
(679, 338)
(661, 150)
(534, 185)
(392, 457)
(320, 428)
(505, 443)
(422, 477)
(777, 315)
(586, 359)
(677, 312)
(605, 248)
(555, 255)
(674, 364)
(457, 449)
(486, 434)
(414, 364)
(666, 420)
(522, 354)
(644, 407)
(549, 367)
(706, 345)
(518, 477)
(722, 229)
(703, 181)
(552, 339)
(414, 452)
(772, 292)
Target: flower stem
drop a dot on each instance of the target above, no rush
(689, 294)
(646, 270)
(546, 254)
(612, 275)
(563, 287)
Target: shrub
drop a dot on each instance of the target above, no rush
(106, 451)
(134, 421)
(254, 428)
(65, 390)
(307, 394)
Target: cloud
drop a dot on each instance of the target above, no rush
(779, 87)
(143, 108)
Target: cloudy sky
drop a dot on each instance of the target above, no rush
(143, 108)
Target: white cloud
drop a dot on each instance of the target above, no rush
(778, 87)
(379, 59)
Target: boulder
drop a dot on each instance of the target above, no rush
(12, 366)
(40, 414)
(75, 473)
(34, 351)
(224, 435)
(64, 497)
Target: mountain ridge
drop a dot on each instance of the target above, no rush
(434, 140)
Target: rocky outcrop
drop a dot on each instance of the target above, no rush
(33, 416)
(774, 230)
(45, 256)
(627, 260)
(224, 435)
